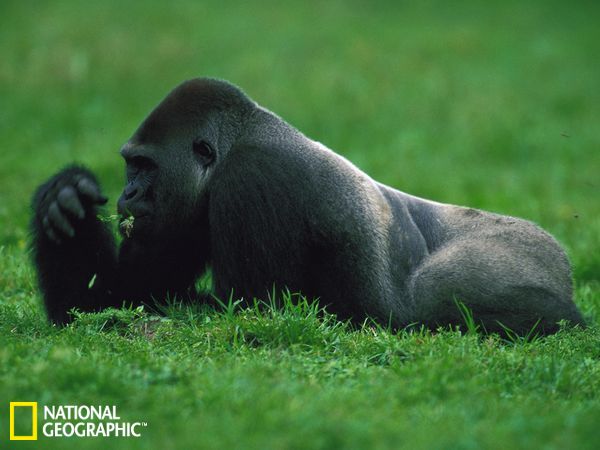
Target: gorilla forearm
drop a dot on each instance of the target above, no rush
(78, 275)
(73, 271)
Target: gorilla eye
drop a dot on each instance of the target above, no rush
(204, 151)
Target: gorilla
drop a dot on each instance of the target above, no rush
(215, 180)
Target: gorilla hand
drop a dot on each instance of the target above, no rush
(65, 201)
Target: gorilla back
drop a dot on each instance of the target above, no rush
(216, 180)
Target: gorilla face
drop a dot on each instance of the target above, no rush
(164, 185)
(139, 195)
(169, 162)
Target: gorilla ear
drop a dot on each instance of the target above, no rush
(204, 152)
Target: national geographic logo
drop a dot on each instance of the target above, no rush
(33, 435)
(67, 421)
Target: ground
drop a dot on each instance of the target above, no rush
(494, 106)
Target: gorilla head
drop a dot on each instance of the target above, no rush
(171, 157)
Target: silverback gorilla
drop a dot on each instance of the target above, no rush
(213, 179)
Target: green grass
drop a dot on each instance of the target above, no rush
(492, 105)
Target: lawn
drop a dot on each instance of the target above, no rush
(492, 105)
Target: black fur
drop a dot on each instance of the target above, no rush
(66, 268)
(214, 179)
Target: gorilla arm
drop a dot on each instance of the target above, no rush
(301, 217)
(74, 252)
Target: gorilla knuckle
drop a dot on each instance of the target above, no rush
(88, 189)
(86, 184)
(54, 210)
(69, 201)
(66, 195)
(59, 221)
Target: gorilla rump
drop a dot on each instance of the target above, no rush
(213, 179)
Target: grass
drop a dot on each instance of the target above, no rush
(493, 105)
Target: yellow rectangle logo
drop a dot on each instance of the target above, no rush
(33, 406)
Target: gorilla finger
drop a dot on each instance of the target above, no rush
(68, 200)
(88, 189)
(49, 231)
(58, 221)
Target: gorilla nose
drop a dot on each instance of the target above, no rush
(129, 199)
(130, 192)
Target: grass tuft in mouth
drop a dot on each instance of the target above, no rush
(126, 225)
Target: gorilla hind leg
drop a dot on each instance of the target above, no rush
(503, 289)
